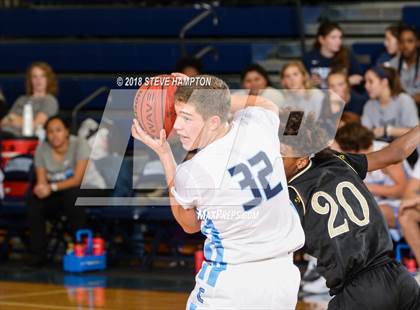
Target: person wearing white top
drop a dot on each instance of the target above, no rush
(234, 190)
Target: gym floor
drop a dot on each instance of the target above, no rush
(117, 288)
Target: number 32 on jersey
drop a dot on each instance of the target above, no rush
(331, 207)
(250, 182)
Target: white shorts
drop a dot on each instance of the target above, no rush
(270, 284)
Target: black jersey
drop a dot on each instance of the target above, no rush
(344, 227)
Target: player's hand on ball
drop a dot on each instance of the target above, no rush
(159, 145)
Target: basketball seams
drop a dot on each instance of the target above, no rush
(143, 93)
(146, 105)
(162, 106)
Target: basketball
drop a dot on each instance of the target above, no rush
(154, 105)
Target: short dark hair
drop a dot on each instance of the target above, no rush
(259, 69)
(60, 118)
(186, 62)
(353, 137)
(409, 28)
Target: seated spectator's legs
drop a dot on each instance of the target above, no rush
(389, 215)
(410, 225)
(40, 210)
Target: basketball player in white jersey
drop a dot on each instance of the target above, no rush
(234, 190)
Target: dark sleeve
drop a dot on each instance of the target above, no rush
(297, 202)
(384, 57)
(307, 62)
(357, 161)
(355, 67)
(356, 103)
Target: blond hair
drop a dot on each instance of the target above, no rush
(307, 84)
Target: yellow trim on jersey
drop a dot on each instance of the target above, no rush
(299, 197)
(343, 158)
(301, 172)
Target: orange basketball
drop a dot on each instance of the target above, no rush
(154, 104)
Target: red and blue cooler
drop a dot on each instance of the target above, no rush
(87, 255)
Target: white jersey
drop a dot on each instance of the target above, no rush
(238, 186)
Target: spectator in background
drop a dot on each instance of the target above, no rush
(298, 89)
(391, 46)
(190, 66)
(60, 164)
(386, 185)
(409, 215)
(330, 54)
(390, 112)
(408, 62)
(41, 89)
(255, 81)
(339, 83)
(348, 118)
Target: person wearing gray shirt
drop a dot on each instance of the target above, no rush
(60, 164)
(41, 90)
(390, 112)
(408, 63)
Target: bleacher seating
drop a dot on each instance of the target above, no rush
(106, 42)
(276, 21)
(87, 57)
(371, 50)
(410, 16)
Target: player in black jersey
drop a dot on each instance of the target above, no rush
(344, 227)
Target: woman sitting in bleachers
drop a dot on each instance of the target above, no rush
(391, 46)
(330, 54)
(41, 89)
(298, 91)
(407, 63)
(60, 164)
(354, 102)
(390, 112)
(255, 81)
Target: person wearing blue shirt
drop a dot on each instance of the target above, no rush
(330, 54)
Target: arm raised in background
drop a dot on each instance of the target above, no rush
(396, 151)
(239, 102)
